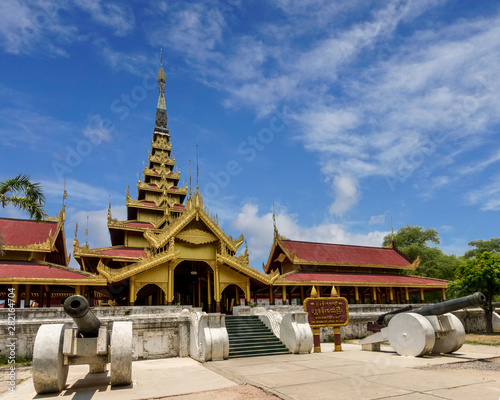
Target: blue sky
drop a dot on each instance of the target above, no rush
(342, 113)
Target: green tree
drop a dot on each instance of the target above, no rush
(415, 241)
(492, 245)
(23, 194)
(480, 274)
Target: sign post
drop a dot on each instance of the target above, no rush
(325, 312)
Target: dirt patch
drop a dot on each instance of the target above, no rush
(487, 369)
(241, 392)
(22, 373)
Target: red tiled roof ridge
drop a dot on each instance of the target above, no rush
(118, 247)
(47, 264)
(338, 244)
(30, 220)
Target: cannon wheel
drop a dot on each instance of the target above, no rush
(49, 371)
(411, 334)
(451, 340)
(121, 353)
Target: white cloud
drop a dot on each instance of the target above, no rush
(480, 166)
(27, 27)
(377, 219)
(133, 63)
(346, 194)
(193, 29)
(258, 230)
(487, 197)
(96, 131)
(78, 192)
(116, 16)
(28, 127)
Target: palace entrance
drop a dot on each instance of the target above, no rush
(194, 285)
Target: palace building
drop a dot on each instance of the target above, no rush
(34, 264)
(171, 250)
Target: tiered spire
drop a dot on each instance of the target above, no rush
(161, 108)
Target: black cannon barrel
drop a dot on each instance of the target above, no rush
(474, 300)
(77, 307)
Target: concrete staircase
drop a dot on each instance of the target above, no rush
(250, 337)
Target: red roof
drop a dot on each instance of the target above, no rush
(26, 269)
(153, 185)
(148, 203)
(361, 278)
(139, 224)
(173, 189)
(22, 232)
(344, 254)
(179, 206)
(133, 252)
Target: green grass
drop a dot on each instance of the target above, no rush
(479, 342)
(20, 361)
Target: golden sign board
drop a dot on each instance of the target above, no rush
(327, 311)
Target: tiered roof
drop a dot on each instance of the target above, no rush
(159, 199)
(35, 253)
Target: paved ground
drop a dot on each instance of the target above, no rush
(351, 374)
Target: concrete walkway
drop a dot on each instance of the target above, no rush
(355, 374)
(351, 374)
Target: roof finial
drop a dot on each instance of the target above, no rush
(87, 233)
(65, 193)
(109, 208)
(189, 178)
(274, 216)
(197, 170)
(161, 57)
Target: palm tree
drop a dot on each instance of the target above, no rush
(23, 194)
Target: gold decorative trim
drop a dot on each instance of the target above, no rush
(196, 236)
(244, 269)
(118, 274)
(193, 210)
(114, 223)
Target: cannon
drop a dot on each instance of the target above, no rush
(57, 346)
(425, 330)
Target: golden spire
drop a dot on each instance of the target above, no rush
(274, 217)
(197, 170)
(334, 292)
(161, 108)
(109, 209)
(87, 233)
(65, 193)
(190, 178)
(75, 240)
(314, 293)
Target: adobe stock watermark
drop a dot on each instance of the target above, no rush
(100, 130)
(248, 150)
(451, 122)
